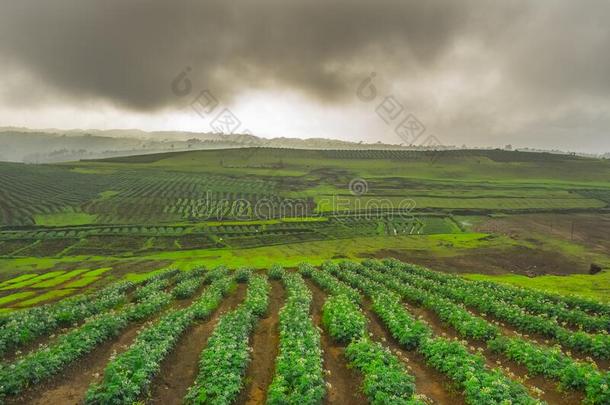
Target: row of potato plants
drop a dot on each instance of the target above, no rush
(299, 377)
(24, 326)
(333, 286)
(548, 362)
(223, 363)
(37, 366)
(535, 304)
(188, 283)
(385, 378)
(529, 300)
(572, 302)
(468, 371)
(596, 345)
(571, 310)
(128, 375)
(276, 272)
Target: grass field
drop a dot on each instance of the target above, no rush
(582, 285)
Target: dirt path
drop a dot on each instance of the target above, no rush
(550, 394)
(180, 367)
(265, 345)
(428, 381)
(344, 382)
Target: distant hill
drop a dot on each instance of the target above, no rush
(53, 145)
(48, 146)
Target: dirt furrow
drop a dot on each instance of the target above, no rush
(512, 331)
(180, 367)
(548, 388)
(344, 381)
(428, 381)
(70, 386)
(265, 345)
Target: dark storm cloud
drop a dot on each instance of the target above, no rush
(127, 51)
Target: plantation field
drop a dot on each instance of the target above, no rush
(201, 186)
(342, 332)
(115, 284)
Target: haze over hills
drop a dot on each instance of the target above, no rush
(54, 145)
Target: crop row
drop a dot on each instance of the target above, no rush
(574, 310)
(223, 363)
(333, 286)
(548, 362)
(128, 375)
(188, 283)
(41, 364)
(468, 371)
(596, 345)
(386, 380)
(298, 375)
(532, 301)
(24, 326)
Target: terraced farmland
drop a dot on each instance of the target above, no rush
(345, 332)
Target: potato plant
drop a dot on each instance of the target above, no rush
(343, 319)
(224, 361)
(597, 345)
(41, 364)
(187, 288)
(128, 376)
(24, 326)
(334, 286)
(276, 272)
(386, 379)
(551, 363)
(298, 375)
(243, 274)
(468, 371)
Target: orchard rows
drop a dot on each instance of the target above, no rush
(561, 342)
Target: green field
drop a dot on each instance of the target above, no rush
(260, 206)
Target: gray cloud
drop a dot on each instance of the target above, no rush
(544, 54)
(126, 52)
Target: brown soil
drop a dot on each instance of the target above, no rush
(513, 259)
(513, 370)
(345, 382)
(71, 385)
(265, 345)
(428, 381)
(180, 367)
(590, 230)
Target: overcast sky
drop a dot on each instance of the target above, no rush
(527, 73)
